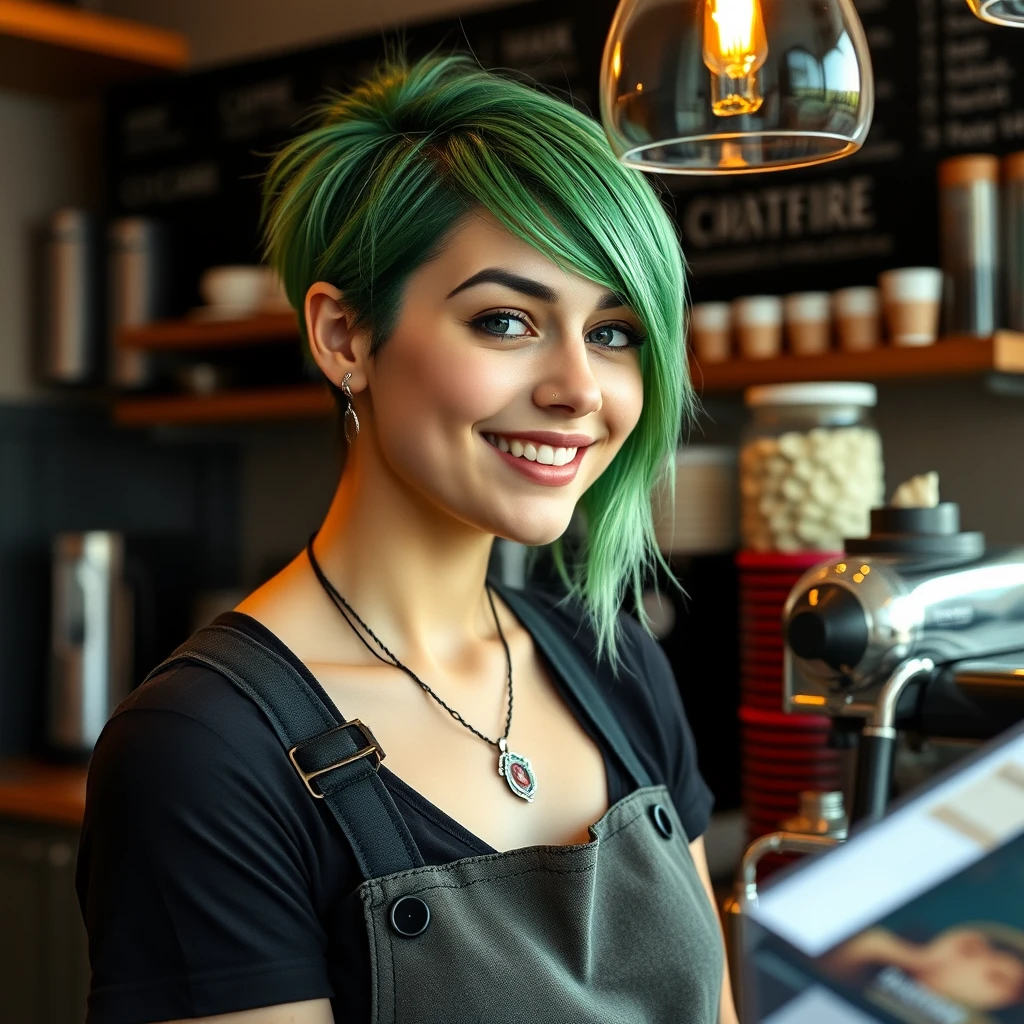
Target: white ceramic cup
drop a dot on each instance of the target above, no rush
(710, 330)
(808, 322)
(857, 313)
(911, 298)
(239, 288)
(758, 322)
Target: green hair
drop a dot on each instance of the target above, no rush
(369, 194)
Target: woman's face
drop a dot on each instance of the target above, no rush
(501, 368)
(964, 966)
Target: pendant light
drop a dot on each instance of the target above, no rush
(735, 86)
(999, 12)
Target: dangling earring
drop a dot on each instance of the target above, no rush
(351, 419)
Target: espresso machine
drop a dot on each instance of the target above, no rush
(919, 628)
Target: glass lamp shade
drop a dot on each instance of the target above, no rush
(999, 12)
(735, 86)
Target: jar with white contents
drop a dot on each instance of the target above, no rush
(810, 466)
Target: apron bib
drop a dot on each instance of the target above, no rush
(615, 931)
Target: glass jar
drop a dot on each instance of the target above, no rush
(810, 466)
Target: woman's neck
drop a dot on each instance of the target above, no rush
(413, 574)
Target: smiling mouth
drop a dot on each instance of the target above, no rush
(543, 454)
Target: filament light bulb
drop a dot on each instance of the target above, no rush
(735, 48)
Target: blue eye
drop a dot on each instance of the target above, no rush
(633, 340)
(501, 317)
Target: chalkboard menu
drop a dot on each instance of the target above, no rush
(189, 150)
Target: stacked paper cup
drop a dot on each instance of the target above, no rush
(782, 753)
(705, 517)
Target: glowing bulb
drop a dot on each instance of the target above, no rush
(735, 47)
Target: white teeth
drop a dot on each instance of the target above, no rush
(543, 454)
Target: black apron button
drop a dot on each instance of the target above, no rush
(409, 916)
(662, 821)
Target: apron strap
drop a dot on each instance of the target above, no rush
(336, 760)
(579, 677)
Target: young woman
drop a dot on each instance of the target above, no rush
(498, 305)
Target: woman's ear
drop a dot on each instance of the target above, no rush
(336, 347)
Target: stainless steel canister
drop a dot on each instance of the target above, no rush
(969, 228)
(70, 302)
(90, 640)
(137, 255)
(1013, 221)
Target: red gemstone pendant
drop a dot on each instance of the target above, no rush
(517, 772)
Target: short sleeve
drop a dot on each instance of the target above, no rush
(194, 887)
(678, 754)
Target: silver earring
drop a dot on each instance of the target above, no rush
(351, 419)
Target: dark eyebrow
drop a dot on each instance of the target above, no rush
(526, 285)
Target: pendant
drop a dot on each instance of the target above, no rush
(517, 772)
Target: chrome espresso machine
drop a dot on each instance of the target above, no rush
(917, 628)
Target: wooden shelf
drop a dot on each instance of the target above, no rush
(58, 50)
(182, 335)
(948, 357)
(42, 792)
(299, 402)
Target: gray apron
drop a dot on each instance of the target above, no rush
(618, 930)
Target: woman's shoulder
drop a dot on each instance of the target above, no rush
(188, 692)
(184, 724)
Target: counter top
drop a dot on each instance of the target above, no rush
(42, 792)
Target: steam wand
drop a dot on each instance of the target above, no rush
(878, 742)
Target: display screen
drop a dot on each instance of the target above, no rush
(919, 918)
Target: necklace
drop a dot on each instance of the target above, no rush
(513, 768)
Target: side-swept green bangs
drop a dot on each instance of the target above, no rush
(369, 195)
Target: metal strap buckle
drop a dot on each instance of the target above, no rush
(373, 748)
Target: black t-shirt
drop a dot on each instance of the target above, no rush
(210, 881)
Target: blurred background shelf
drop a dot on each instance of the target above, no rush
(298, 402)
(948, 357)
(193, 333)
(58, 50)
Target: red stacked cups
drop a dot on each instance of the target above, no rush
(782, 753)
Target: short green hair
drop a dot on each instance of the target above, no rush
(369, 194)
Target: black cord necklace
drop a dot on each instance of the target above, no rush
(513, 768)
